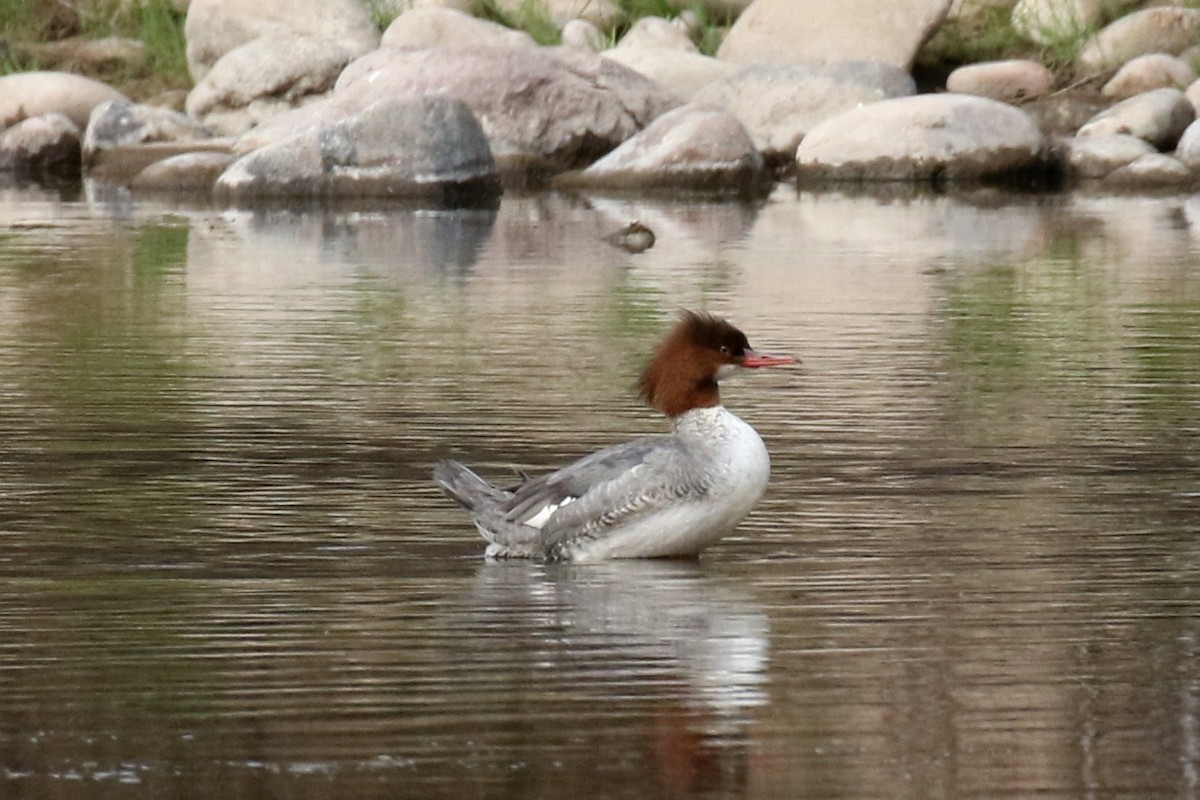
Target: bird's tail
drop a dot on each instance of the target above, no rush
(466, 488)
(485, 502)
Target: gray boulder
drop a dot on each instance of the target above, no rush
(682, 73)
(1153, 171)
(1159, 117)
(42, 145)
(1165, 29)
(1188, 149)
(216, 27)
(264, 77)
(1009, 81)
(433, 26)
(780, 103)
(926, 137)
(1151, 71)
(429, 148)
(688, 148)
(185, 173)
(121, 124)
(557, 108)
(1093, 157)
(891, 31)
(31, 94)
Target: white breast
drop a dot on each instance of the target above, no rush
(735, 467)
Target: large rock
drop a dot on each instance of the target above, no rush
(32, 94)
(1093, 157)
(432, 26)
(926, 137)
(1159, 117)
(682, 73)
(216, 27)
(264, 77)
(1152, 71)
(689, 148)
(1009, 81)
(1168, 30)
(780, 103)
(186, 172)
(421, 147)
(1154, 171)
(120, 124)
(891, 31)
(560, 108)
(43, 145)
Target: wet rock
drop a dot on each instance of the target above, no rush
(432, 26)
(1050, 22)
(689, 148)
(264, 77)
(187, 172)
(428, 147)
(1159, 117)
(1144, 73)
(1009, 81)
(120, 124)
(926, 137)
(780, 103)
(1188, 149)
(891, 31)
(555, 108)
(583, 34)
(683, 74)
(217, 27)
(120, 165)
(44, 145)
(31, 94)
(657, 33)
(1092, 157)
(1153, 171)
(1164, 29)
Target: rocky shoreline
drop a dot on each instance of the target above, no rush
(446, 107)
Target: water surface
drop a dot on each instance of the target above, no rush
(224, 571)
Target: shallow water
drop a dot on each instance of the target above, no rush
(224, 571)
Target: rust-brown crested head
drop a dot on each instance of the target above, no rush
(684, 371)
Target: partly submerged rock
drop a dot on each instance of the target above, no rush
(690, 148)
(121, 123)
(194, 172)
(1160, 117)
(780, 103)
(430, 148)
(556, 108)
(42, 145)
(1093, 157)
(926, 137)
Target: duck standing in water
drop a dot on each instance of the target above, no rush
(654, 497)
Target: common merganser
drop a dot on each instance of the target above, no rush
(654, 497)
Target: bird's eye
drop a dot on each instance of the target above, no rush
(724, 349)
